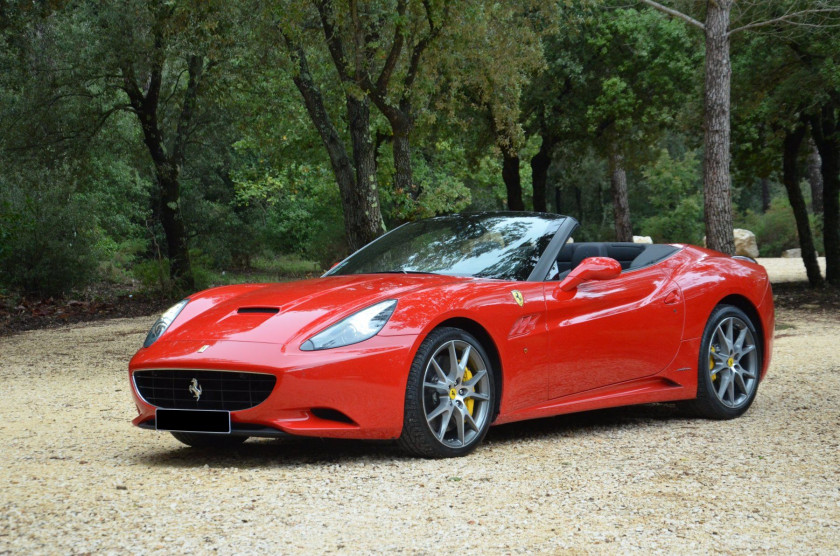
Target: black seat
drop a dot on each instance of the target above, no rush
(586, 250)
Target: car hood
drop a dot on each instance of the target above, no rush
(289, 312)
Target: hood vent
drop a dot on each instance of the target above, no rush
(262, 310)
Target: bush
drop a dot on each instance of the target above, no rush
(674, 192)
(48, 238)
(775, 230)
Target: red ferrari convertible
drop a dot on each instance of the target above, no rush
(444, 326)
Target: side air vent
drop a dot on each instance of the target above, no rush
(328, 414)
(264, 310)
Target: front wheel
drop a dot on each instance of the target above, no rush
(450, 396)
(730, 365)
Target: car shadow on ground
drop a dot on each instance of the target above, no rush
(294, 451)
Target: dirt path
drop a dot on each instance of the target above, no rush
(77, 478)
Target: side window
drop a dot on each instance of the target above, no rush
(563, 264)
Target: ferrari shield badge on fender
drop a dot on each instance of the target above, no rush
(517, 296)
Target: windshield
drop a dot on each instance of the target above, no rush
(505, 246)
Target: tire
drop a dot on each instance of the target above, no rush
(729, 365)
(218, 441)
(448, 404)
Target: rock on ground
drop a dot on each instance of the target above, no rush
(745, 243)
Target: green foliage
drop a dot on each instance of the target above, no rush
(79, 198)
(439, 173)
(673, 189)
(49, 240)
(775, 230)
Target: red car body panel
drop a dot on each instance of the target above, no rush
(627, 340)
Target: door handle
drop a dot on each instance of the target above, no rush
(673, 297)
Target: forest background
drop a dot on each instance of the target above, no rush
(166, 146)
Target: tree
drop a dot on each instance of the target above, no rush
(615, 79)
(156, 61)
(486, 70)
(799, 93)
(356, 177)
(413, 27)
(717, 190)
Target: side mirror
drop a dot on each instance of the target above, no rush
(593, 268)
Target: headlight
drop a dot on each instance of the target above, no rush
(354, 329)
(163, 322)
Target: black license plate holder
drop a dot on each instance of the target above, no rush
(193, 420)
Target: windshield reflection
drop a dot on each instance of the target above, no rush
(505, 246)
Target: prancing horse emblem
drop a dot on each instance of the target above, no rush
(195, 389)
(517, 296)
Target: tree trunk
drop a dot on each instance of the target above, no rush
(765, 195)
(510, 175)
(815, 177)
(558, 199)
(717, 188)
(356, 182)
(362, 203)
(792, 142)
(539, 173)
(169, 187)
(180, 269)
(403, 178)
(621, 204)
(826, 133)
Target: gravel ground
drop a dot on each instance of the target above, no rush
(788, 270)
(77, 478)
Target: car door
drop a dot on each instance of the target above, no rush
(612, 331)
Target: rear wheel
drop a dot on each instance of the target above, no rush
(450, 396)
(199, 440)
(730, 365)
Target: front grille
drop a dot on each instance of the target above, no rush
(230, 391)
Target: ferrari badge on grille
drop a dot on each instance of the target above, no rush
(195, 389)
(517, 296)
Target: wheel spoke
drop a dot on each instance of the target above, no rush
(438, 411)
(739, 343)
(747, 372)
(745, 350)
(444, 422)
(739, 381)
(730, 339)
(731, 390)
(453, 362)
(439, 386)
(725, 379)
(719, 366)
(475, 379)
(477, 396)
(440, 374)
(724, 347)
(458, 415)
(462, 365)
(470, 421)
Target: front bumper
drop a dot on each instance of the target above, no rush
(356, 391)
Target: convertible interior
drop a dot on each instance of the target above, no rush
(631, 256)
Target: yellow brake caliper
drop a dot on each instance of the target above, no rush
(712, 364)
(468, 402)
